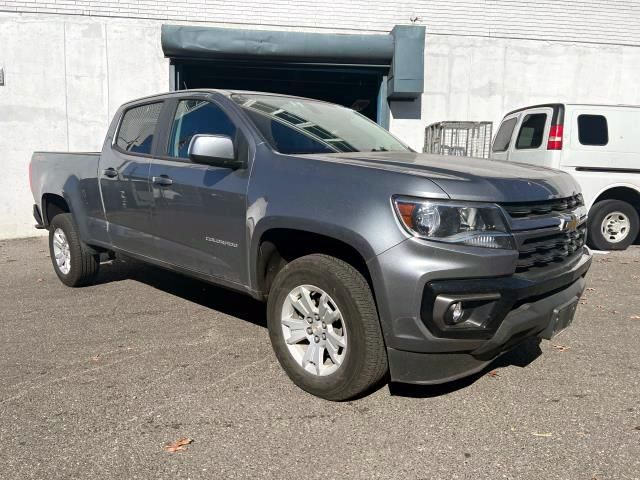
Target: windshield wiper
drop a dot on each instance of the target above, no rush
(380, 149)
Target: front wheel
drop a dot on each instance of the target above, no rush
(72, 262)
(324, 328)
(613, 225)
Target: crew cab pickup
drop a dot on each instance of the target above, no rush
(375, 261)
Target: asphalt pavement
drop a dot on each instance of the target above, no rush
(96, 382)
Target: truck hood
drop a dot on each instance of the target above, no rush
(465, 178)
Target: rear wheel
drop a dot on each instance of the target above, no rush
(613, 225)
(324, 328)
(74, 264)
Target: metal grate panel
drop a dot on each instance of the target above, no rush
(464, 139)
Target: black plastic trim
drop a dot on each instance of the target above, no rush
(611, 170)
(38, 217)
(514, 291)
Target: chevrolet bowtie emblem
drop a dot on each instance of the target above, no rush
(569, 223)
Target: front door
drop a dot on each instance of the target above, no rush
(199, 211)
(124, 178)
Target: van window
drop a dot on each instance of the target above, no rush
(195, 117)
(503, 137)
(531, 131)
(137, 127)
(593, 130)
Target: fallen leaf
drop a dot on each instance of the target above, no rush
(39, 280)
(591, 289)
(493, 374)
(615, 311)
(635, 317)
(178, 445)
(542, 434)
(561, 348)
(95, 358)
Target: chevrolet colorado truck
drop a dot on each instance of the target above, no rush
(376, 262)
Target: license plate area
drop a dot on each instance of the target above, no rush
(561, 318)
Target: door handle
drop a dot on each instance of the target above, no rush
(162, 180)
(110, 172)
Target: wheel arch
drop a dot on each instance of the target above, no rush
(281, 243)
(52, 205)
(621, 191)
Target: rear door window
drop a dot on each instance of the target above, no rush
(593, 130)
(503, 137)
(531, 132)
(138, 127)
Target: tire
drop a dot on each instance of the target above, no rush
(81, 266)
(363, 361)
(621, 214)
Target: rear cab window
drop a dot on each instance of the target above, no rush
(532, 129)
(593, 130)
(137, 128)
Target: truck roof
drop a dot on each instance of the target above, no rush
(225, 92)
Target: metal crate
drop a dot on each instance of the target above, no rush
(463, 139)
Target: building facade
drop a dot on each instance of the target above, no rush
(68, 64)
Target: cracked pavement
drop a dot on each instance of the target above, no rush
(95, 381)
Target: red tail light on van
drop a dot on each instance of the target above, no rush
(555, 137)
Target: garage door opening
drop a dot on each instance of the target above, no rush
(356, 87)
(361, 71)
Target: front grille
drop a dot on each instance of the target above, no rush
(545, 207)
(554, 248)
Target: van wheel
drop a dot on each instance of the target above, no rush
(72, 262)
(613, 225)
(324, 328)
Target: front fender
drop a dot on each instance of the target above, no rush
(307, 225)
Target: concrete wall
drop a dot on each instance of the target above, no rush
(65, 77)
(479, 78)
(67, 74)
(610, 21)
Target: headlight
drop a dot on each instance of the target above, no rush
(475, 224)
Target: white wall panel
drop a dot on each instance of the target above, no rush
(611, 21)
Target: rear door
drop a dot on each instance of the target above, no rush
(199, 211)
(529, 143)
(124, 177)
(504, 138)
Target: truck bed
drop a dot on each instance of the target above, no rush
(72, 176)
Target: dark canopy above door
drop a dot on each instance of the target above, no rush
(402, 51)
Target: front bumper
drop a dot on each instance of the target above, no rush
(420, 352)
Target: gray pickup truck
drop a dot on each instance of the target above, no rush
(375, 261)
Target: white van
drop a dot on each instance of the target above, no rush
(599, 145)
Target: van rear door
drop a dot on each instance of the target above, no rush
(531, 138)
(504, 138)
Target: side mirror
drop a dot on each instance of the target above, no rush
(215, 150)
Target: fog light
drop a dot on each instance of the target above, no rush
(456, 312)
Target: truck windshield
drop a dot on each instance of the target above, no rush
(299, 126)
